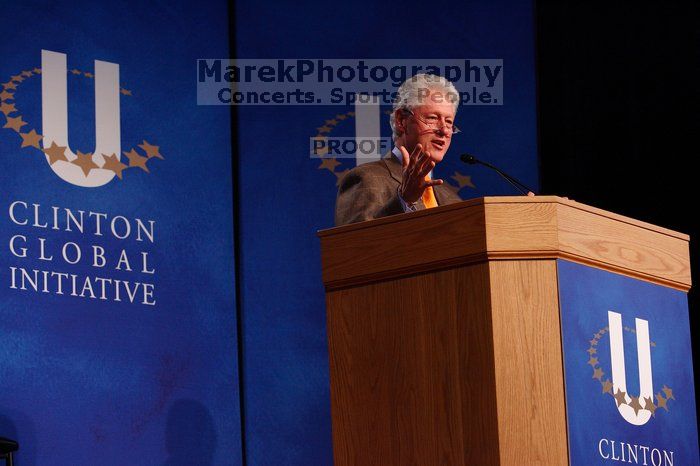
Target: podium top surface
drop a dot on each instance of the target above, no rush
(503, 228)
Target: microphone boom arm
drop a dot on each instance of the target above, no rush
(471, 160)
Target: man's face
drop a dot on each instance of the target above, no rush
(437, 111)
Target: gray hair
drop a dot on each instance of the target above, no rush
(412, 92)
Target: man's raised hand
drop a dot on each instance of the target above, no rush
(416, 167)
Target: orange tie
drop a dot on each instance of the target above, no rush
(429, 200)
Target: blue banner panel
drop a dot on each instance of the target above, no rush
(118, 337)
(286, 195)
(628, 370)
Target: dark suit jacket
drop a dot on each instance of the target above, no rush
(369, 191)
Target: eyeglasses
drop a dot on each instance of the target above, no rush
(433, 123)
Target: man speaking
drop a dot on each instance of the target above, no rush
(422, 122)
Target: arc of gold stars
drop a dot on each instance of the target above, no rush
(55, 153)
(331, 163)
(662, 397)
(87, 74)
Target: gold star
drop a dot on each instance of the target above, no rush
(37, 70)
(27, 74)
(652, 343)
(341, 117)
(668, 392)
(30, 139)
(463, 180)
(4, 95)
(620, 397)
(329, 164)
(351, 114)
(324, 129)
(88, 74)
(17, 78)
(593, 342)
(598, 373)
(593, 361)
(597, 335)
(125, 91)
(607, 386)
(84, 161)
(649, 406)
(7, 108)
(135, 160)
(75, 71)
(151, 150)
(331, 122)
(634, 403)
(592, 351)
(55, 153)
(15, 123)
(112, 163)
(661, 401)
(9, 85)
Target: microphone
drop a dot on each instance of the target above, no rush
(471, 160)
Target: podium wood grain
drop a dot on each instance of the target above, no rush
(412, 371)
(528, 362)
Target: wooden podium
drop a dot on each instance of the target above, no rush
(444, 326)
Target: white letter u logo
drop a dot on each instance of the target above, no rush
(54, 107)
(632, 410)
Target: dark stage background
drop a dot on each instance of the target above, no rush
(618, 111)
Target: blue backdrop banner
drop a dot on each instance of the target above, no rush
(628, 370)
(286, 195)
(118, 340)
